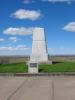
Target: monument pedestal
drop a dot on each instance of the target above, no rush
(32, 67)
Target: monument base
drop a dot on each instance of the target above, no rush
(32, 67)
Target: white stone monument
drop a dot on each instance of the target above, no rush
(39, 50)
(39, 47)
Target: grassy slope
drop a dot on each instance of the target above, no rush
(58, 67)
(13, 68)
(21, 67)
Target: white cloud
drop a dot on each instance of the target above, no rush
(6, 48)
(60, 1)
(1, 39)
(16, 50)
(27, 14)
(18, 31)
(10, 48)
(14, 39)
(22, 47)
(70, 27)
(28, 1)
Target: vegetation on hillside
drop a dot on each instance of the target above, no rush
(43, 68)
(13, 68)
(58, 67)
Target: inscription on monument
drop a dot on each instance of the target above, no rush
(33, 64)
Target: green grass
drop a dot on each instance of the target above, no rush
(13, 68)
(44, 68)
(58, 67)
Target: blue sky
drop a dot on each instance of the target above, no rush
(19, 18)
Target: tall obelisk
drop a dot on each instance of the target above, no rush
(39, 46)
(39, 50)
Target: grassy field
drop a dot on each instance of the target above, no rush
(58, 67)
(13, 68)
(22, 67)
